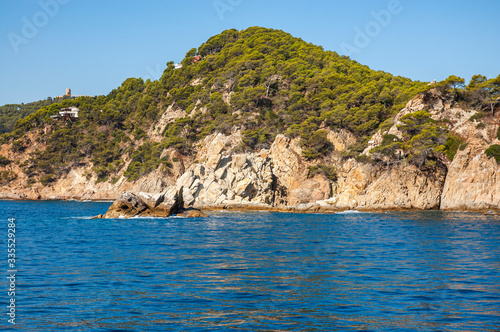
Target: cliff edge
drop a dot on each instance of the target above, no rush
(281, 179)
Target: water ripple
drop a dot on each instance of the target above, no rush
(406, 271)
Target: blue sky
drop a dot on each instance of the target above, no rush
(91, 46)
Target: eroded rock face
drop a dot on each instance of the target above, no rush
(341, 139)
(353, 179)
(278, 179)
(404, 188)
(213, 147)
(310, 190)
(285, 154)
(151, 200)
(372, 187)
(239, 178)
(220, 177)
(473, 181)
(192, 213)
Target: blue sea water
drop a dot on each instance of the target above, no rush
(405, 271)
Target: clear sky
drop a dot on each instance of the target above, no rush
(91, 46)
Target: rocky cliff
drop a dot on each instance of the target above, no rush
(473, 180)
(280, 178)
(81, 182)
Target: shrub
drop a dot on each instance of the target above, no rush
(328, 171)
(412, 124)
(252, 138)
(354, 150)
(46, 179)
(4, 161)
(312, 171)
(479, 115)
(389, 139)
(451, 146)
(480, 125)
(7, 176)
(493, 151)
(422, 147)
(386, 125)
(139, 133)
(389, 146)
(18, 146)
(316, 145)
(146, 159)
(364, 159)
(388, 150)
(102, 173)
(424, 138)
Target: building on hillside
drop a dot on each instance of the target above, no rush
(67, 113)
(67, 94)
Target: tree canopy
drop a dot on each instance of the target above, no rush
(260, 81)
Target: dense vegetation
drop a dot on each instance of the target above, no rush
(260, 81)
(424, 140)
(11, 113)
(494, 151)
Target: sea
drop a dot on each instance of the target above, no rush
(251, 271)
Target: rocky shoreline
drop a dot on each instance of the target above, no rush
(221, 177)
(312, 208)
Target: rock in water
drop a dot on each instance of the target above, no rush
(192, 213)
(128, 205)
(148, 205)
(151, 200)
(170, 203)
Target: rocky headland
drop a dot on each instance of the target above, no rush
(219, 176)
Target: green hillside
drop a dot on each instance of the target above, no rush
(260, 81)
(11, 113)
